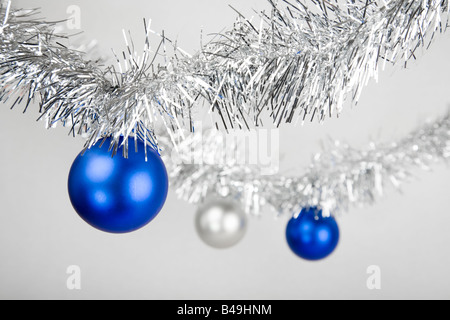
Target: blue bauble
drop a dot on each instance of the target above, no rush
(312, 236)
(117, 194)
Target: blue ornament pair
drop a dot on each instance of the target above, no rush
(117, 194)
(312, 236)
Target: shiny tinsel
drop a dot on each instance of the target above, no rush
(301, 61)
(337, 179)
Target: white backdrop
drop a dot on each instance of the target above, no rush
(406, 234)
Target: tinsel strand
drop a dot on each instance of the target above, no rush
(337, 180)
(297, 63)
(294, 64)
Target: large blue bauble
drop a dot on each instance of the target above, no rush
(115, 194)
(312, 236)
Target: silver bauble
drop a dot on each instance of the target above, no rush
(221, 223)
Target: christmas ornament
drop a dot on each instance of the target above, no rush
(274, 62)
(221, 223)
(294, 64)
(117, 194)
(312, 236)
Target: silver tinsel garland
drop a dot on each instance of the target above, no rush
(338, 179)
(296, 63)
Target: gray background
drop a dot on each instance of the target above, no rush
(406, 234)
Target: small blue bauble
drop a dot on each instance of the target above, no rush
(115, 194)
(312, 236)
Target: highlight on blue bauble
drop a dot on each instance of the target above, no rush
(312, 236)
(118, 194)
